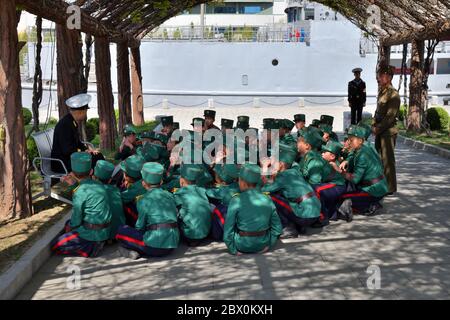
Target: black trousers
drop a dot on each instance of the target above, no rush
(357, 113)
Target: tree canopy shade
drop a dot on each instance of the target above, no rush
(393, 21)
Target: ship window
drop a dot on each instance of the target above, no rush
(275, 62)
(443, 66)
(253, 8)
(309, 14)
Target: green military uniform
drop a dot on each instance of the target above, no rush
(103, 170)
(157, 207)
(127, 151)
(252, 223)
(385, 122)
(223, 193)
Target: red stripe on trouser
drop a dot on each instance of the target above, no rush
(130, 212)
(325, 187)
(349, 195)
(61, 242)
(82, 253)
(125, 238)
(281, 203)
(219, 215)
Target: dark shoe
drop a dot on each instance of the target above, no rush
(130, 254)
(320, 224)
(374, 209)
(289, 232)
(346, 210)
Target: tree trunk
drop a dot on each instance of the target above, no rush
(124, 86)
(416, 106)
(15, 194)
(69, 63)
(105, 98)
(37, 83)
(136, 85)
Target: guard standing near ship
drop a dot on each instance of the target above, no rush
(357, 96)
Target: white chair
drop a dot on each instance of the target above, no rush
(42, 164)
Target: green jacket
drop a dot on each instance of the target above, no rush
(91, 205)
(316, 170)
(251, 211)
(157, 206)
(194, 211)
(291, 185)
(223, 193)
(115, 203)
(366, 167)
(388, 107)
(132, 192)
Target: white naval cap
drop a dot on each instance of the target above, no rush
(357, 70)
(80, 101)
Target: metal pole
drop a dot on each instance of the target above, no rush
(202, 21)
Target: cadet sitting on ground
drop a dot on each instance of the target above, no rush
(252, 223)
(131, 187)
(103, 173)
(156, 233)
(129, 143)
(295, 200)
(226, 177)
(367, 177)
(90, 224)
(226, 124)
(194, 211)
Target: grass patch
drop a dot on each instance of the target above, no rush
(438, 138)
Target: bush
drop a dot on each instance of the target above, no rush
(91, 131)
(32, 150)
(96, 123)
(402, 113)
(52, 122)
(27, 116)
(437, 118)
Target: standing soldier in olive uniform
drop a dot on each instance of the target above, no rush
(357, 95)
(89, 226)
(384, 124)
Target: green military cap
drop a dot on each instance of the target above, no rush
(288, 153)
(148, 135)
(357, 131)
(162, 137)
(132, 166)
(326, 119)
(227, 172)
(286, 123)
(128, 130)
(149, 151)
(227, 123)
(386, 69)
(209, 114)
(244, 119)
(176, 125)
(324, 127)
(81, 162)
(333, 147)
(103, 170)
(313, 138)
(152, 172)
(167, 120)
(190, 172)
(367, 129)
(197, 120)
(315, 123)
(299, 118)
(250, 173)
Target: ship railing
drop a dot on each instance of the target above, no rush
(275, 33)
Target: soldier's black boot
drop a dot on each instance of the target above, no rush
(346, 210)
(130, 254)
(289, 232)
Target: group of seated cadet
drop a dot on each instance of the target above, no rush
(162, 199)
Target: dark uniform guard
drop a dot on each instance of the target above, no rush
(385, 124)
(66, 136)
(210, 117)
(357, 96)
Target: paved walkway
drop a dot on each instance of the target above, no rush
(409, 242)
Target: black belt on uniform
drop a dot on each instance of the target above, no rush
(157, 226)
(372, 182)
(305, 197)
(252, 233)
(92, 226)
